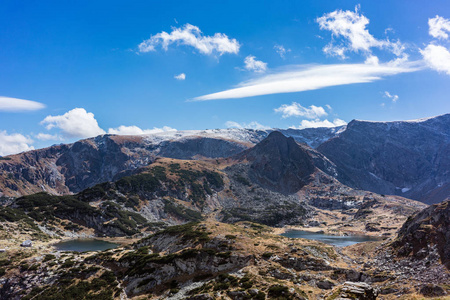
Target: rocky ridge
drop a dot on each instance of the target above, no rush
(407, 158)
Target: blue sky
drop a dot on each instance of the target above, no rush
(93, 67)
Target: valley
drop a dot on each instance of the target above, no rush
(198, 215)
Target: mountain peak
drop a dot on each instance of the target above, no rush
(279, 163)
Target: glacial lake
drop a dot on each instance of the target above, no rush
(336, 240)
(82, 245)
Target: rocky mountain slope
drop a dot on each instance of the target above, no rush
(65, 169)
(408, 158)
(275, 183)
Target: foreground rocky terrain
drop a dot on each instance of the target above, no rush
(214, 260)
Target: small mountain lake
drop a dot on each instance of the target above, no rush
(336, 240)
(82, 245)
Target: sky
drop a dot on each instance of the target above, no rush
(77, 69)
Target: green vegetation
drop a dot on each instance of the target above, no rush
(271, 215)
(101, 288)
(182, 212)
(242, 180)
(15, 215)
(188, 232)
(45, 207)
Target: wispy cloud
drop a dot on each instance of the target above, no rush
(14, 143)
(251, 64)
(251, 125)
(319, 123)
(191, 35)
(281, 50)
(134, 130)
(296, 110)
(18, 105)
(393, 97)
(47, 137)
(181, 76)
(311, 77)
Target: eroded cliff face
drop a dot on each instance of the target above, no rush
(410, 158)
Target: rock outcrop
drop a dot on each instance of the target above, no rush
(426, 231)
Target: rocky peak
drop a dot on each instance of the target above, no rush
(279, 163)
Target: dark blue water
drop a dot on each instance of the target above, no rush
(336, 240)
(83, 245)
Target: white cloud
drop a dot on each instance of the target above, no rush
(76, 123)
(296, 110)
(437, 58)
(251, 125)
(351, 27)
(394, 98)
(15, 105)
(251, 64)
(191, 35)
(306, 78)
(14, 143)
(372, 60)
(438, 27)
(320, 123)
(47, 137)
(134, 130)
(181, 76)
(281, 50)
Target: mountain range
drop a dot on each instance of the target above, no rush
(405, 158)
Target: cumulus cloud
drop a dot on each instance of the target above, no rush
(181, 76)
(320, 123)
(76, 123)
(191, 35)
(350, 28)
(306, 78)
(251, 125)
(437, 58)
(16, 105)
(14, 143)
(251, 64)
(296, 110)
(439, 27)
(134, 130)
(281, 50)
(394, 98)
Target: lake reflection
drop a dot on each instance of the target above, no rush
(336, 240)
